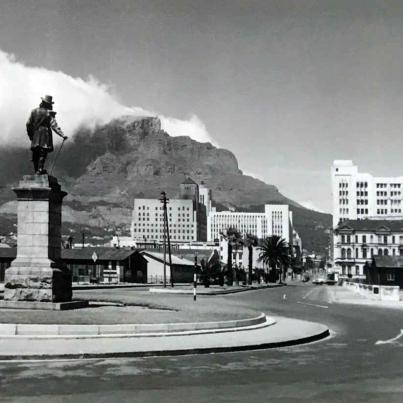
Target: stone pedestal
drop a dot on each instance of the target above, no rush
(37, 273)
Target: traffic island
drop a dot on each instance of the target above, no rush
(213, 290)
(131, 340)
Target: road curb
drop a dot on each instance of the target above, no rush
(12, 330)
(209, 350)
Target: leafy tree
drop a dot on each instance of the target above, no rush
(275, 253)
(250, 241)
(213, 267)
(233, 238)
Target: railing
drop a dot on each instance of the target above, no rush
(376, 292)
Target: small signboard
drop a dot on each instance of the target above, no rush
(94, 257)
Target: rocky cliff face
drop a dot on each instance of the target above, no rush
(136, 158)
(104, 169)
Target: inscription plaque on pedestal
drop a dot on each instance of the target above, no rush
(37, 273)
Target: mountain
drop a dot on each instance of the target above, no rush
(104, 169)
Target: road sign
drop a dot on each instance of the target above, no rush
(94, 257)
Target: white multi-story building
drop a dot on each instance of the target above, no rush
(360, 195)
(276, 220)
(186, 217)
(148, 220)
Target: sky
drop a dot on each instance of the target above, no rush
(287, 86)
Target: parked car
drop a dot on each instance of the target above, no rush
(319, 281)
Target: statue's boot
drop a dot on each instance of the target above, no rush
(35, 161)
(42, 169)
(36, 166)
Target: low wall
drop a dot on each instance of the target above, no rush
(376, 292)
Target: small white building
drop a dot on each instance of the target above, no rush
(240, 255)
(183, 269)
(123, 242)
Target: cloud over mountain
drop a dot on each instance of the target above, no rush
(79, 102)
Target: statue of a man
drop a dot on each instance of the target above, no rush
(40, 124)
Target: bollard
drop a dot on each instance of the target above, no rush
(195, 280)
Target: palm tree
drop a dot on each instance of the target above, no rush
(233, 238)
(250, 241)
(275, 253)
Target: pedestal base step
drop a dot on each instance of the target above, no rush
(49, 306)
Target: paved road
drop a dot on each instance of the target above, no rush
(347, 367)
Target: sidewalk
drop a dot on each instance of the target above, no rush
(285, 332)
(343, 295)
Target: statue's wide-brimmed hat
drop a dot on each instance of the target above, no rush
(48, 99)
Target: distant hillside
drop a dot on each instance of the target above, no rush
(105, 169)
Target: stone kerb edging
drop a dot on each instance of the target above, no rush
(8, 330)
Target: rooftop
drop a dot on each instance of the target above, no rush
(372, 225)
(102, 253)
(389, 261)
(160, 257)
(188, 181)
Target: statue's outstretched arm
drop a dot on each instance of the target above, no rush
(56, 128)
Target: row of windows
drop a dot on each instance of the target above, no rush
(396, 210)
(362, 193)
(161, 208)
(349, 270)
(347, 253)
(162, 215)
(382, 239)
(343, 193)
(382, 202)
(395, 193)
(392, 185)
(362, 202)
(362, 184)
(343, 201)
(343, 185)
(153, 237)
(382, 211)
(343, 210)
(156, 219)
(362, 211)
(158, 225)
(184, 231)
(381, 193)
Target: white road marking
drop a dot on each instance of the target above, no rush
(390, 340)
(318, 306)
(309, 293)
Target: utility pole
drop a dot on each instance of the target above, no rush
(165, 201)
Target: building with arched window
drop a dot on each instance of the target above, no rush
(357, 241)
